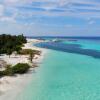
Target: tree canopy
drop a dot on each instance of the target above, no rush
(9, 43)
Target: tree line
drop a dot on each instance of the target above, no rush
(11, 43)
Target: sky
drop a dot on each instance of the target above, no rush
(50, 17)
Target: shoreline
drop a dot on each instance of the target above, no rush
(13, 85)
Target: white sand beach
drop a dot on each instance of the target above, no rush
(12, 86)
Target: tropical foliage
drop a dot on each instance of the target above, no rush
(9, 43)
(28, 51)
(19, 68)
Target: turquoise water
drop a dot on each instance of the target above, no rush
(64, 76)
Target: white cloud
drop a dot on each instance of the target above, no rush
(74, 8)
(1, 10)
(10, 1)
(67, 7)
(91, 22)
(7, 19)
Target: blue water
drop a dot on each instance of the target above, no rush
(66, 76)
(73, 47)
(86, 44)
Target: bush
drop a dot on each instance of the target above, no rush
(29, 51)
(8, 71)
(20, 68)
(1, 73)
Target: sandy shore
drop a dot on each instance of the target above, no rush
(12, 86)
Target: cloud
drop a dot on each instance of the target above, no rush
(91, 22)
(1, 10)
(27, 12)
(77, 8)
(7, 19)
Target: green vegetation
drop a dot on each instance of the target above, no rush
(31, 56)
(30, 52)
(1, 74)
(8, 71)
(9, 43)
(19, 68)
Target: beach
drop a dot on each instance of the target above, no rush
(13, 85)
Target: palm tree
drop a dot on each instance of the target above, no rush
(31, 56)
